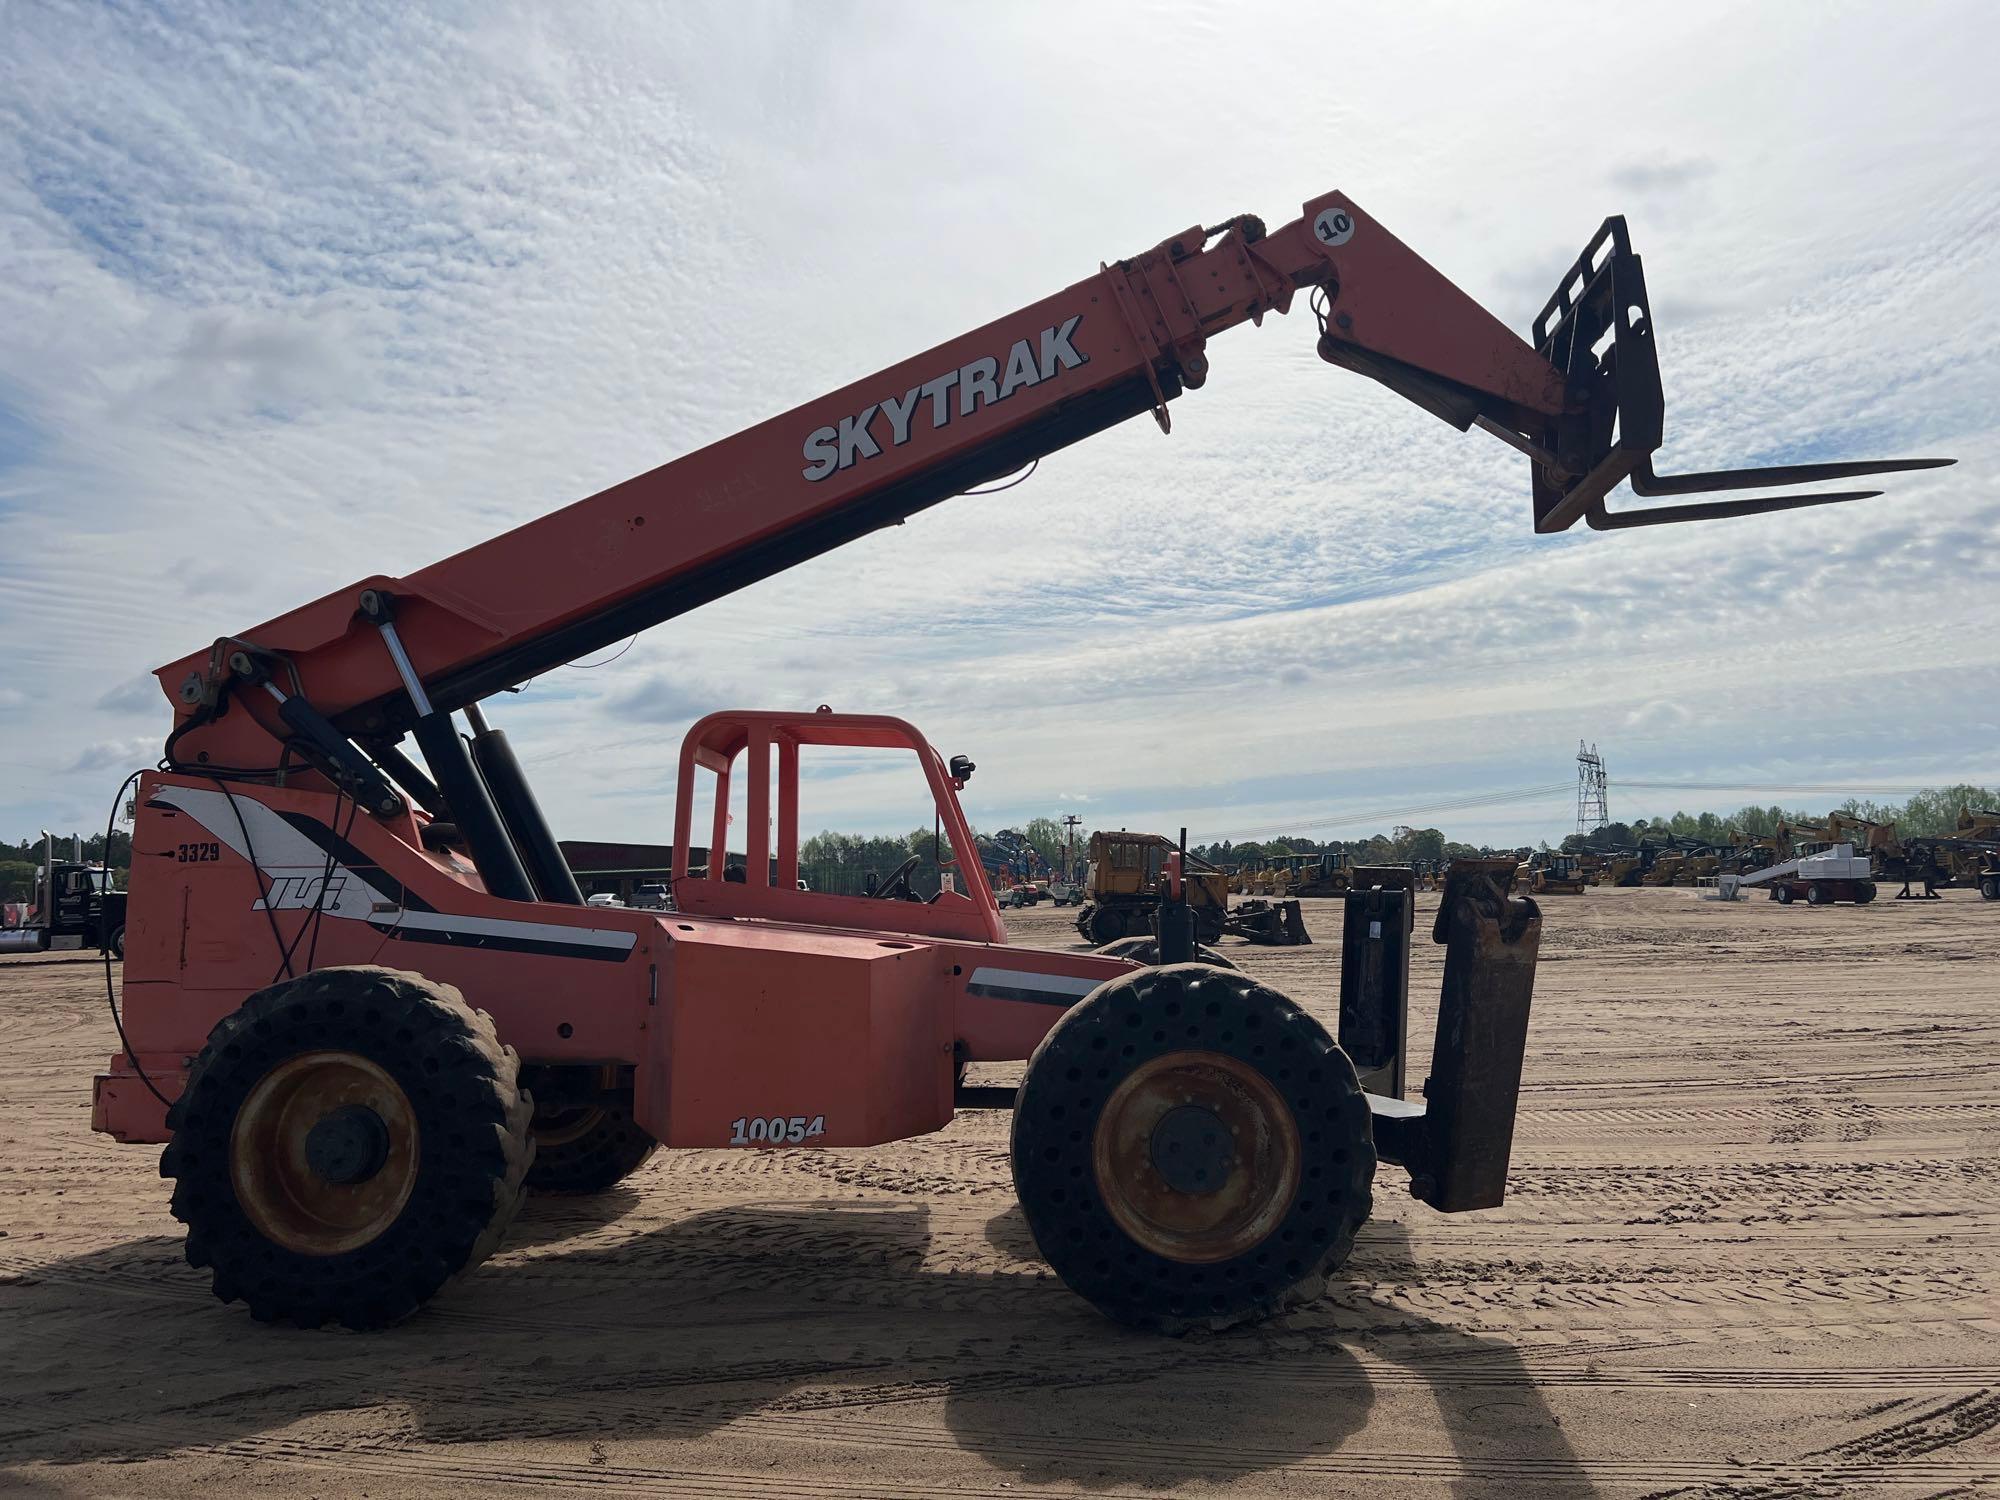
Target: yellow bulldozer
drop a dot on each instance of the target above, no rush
(1666, 868)
(1979, 864)
(1259, 878)
(1550, 873)
(1699, 864)
(1622, 866)
(1319, 874)
(1127, 881)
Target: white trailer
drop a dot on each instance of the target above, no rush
(1834, 874)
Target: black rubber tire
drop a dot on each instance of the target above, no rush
(118, 941)
(1084, 914)
(1123, 1024)
(1989, 888)
(593, 1155)
(1816, 894)
(462, 1085)
(1146, 950)
(1864, 893)
(1782, 895)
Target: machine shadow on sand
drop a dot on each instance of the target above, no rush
(818, 1311)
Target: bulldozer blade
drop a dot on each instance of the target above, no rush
(1270, 924)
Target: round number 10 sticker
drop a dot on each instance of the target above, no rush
(1334, 226)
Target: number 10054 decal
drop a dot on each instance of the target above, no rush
(778, 1130)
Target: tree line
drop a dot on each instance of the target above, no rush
(842, 862)
(1399, 846)
(1932, 812)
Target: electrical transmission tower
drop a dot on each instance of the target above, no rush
(1592, 811)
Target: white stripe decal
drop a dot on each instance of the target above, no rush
(544, 932)
(1027, 979)
(296, 867)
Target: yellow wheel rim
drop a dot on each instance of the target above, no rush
(324, 1153)
(1196, 1156)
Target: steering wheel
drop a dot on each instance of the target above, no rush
(897, 886)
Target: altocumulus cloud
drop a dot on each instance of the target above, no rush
(297, 298)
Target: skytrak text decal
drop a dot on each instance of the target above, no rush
(980, 383)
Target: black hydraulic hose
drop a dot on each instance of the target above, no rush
(263, 890)
(104, 947)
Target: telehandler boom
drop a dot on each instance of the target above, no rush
(365, 1004)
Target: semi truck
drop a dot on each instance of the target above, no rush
(72, 899)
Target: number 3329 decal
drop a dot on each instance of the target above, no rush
(778, 1130)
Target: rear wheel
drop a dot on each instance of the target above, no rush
(586, 1149)
(1864, 893)
(1816, 894)
(1192, 1150)
(1989, 888)
(118, 941)
(348, 1143)
(1146, 950)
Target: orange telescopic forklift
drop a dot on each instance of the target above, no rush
(366, 1006)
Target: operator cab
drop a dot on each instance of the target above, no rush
(760, 753)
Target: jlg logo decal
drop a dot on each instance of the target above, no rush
(978, 384)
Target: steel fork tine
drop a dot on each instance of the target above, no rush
(1646, 482)
(1600, 519)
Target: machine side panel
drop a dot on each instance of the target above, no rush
(1008, 998)
(848, 1037)
(563, 984)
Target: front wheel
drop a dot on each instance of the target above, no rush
(1989, 888)
(1783, 894)
(348, 1143)
(1192, 1150)
(1816, 894)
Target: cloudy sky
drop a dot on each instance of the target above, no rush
(296, 296)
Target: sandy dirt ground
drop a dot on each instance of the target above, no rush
(1749, 1249)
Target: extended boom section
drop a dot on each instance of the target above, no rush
(1583, 401)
